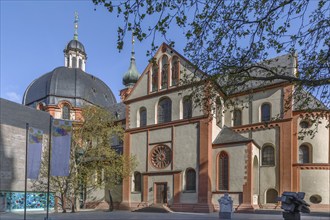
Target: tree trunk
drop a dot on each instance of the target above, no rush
(73, 200)
(63, 202)
(111, 201)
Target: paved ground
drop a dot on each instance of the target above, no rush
(101, 215)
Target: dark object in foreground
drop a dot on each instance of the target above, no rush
(293, 203)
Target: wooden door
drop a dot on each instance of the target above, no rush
(161, 193)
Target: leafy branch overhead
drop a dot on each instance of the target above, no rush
(230, 37)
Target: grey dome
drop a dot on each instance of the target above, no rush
(71, 84)
(76, 46)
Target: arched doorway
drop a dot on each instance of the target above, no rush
(271, 196)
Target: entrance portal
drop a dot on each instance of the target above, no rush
(161, 193)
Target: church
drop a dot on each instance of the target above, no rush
(188, 156)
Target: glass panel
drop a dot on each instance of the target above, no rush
(137, 182)
(223, 172)
(164, 110)
(191, 180)
(164, 72)
(74, 62)
(154, 78)
(265, 112)
(175, 71)
(268, 156)
(187, 107)
(304, 154)
(237, 117)
(143, 117)
(66, 112)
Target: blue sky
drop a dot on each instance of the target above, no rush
(34, 34)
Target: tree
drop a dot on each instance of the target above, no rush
(93, 163)
(232, 39)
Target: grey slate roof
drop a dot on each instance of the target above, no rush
(304, 100)
(71, 84)
(118, 110)
(282, 65)
(227, 136)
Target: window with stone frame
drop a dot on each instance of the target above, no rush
(268, 156)
(175, 71)
(304, 154)
(237, 117)
(66, 112)
(164, 73)
(265, 112)
(143, 117)
(154, 86)
(164, 110)
(187, 107)
(190, 180)
(223, 169)
(137, 181)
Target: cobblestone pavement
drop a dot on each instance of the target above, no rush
(102, 215)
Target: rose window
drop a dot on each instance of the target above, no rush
(161, 156)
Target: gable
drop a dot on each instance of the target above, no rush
(163, 74)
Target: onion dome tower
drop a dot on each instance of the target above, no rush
(131, 76)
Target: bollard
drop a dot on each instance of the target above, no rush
(226, 207)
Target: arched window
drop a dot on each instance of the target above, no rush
(191, 180)
(187, 107)
(74, 62)
(164, 72)
(80, 63)
(268, 156)
(223, 181)
(137, 181)
(304, 154)
(154, 78)
(237, 117)
(143, 117)
(164, 110)
(175, 71)
(66, 112)
(40, 106)
(218, 111)
(265, 112)
(271, 196)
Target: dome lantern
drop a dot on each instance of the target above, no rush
(74, 53)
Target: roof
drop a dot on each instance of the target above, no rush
(227, 136)
(76, 46)
(71, 84)
(132, 75)
(281, 65)
(304, 100)
(118, 110)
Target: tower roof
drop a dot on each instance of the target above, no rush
(132, 74)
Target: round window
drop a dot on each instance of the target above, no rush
(316, 199)
(161, 156)
(305, 124)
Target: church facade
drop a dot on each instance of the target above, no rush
(189, 157)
